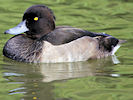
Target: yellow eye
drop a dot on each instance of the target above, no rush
(36, 18)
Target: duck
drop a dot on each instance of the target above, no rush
(37, 40)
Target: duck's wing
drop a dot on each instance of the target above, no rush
(66, 34)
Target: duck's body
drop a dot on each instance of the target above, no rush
(51, 45)
(51, 50)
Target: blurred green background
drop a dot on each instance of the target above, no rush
(90, 80)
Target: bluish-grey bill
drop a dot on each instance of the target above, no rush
(20, 28)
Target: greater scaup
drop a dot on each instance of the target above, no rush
(43, 42)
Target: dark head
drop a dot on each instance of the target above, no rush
(37, 21)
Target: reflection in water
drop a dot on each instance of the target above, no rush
(36, 79)
(62, 71)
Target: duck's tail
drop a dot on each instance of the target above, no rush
(109, 44)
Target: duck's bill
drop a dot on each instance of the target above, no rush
(20, 28)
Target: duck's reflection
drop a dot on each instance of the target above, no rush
(60, 71)
(37, 79)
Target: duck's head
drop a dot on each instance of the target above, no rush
(37, 21)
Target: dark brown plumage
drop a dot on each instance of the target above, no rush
(42, 37)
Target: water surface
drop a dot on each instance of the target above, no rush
(91, 80)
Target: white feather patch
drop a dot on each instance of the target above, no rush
(115, 59)
(115, 49)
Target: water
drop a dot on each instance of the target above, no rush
(91, 80)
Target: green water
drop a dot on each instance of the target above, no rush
(90, 80)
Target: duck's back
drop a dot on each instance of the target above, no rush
(66, 34)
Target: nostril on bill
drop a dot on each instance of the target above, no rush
(6, 32)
